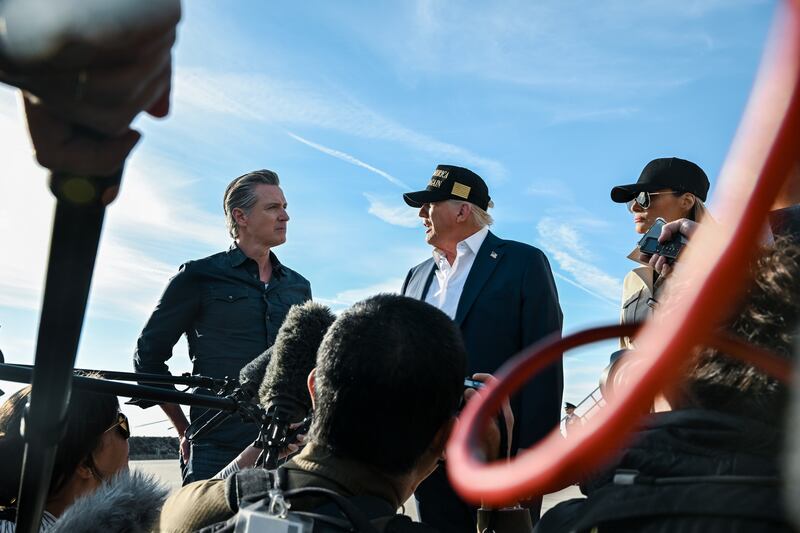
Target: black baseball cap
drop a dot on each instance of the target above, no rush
(451, 183)
(568, 405)
(665, 173)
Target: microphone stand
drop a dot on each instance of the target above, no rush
(22, 374)
(276, 434)
(185, 379)
(239, 401)
(243, 396)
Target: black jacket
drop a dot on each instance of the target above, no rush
(688, 470)
(509, 302)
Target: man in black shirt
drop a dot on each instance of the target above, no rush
(230, 306)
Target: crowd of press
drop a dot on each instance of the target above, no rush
(370, 397)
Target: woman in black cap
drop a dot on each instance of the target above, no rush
(668, 188)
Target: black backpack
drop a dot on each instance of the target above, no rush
(250, 489)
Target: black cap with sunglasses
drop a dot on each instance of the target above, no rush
(671, 173)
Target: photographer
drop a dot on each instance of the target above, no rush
(386, 389)
(668, 188)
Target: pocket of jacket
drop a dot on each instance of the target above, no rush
(228, 294)
(631, 309)
(227, 307)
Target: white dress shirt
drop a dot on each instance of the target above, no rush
(448, 283)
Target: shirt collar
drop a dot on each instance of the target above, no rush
(472, 243)
(354, 476)
(475, 240)
(237, 257)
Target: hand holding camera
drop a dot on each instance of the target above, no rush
(664, 241)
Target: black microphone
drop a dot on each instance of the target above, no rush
(283, 392)
(252, 374)
(250, 378)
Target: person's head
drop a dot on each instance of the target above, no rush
(768, 317)
(453, 206)
(388, 382)
(93, 448)
(569, 408)
(668, 188)
(255, 209)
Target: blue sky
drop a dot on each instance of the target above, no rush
(553, 103)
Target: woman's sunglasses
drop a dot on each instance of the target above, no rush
(644, 200)
(122, 425)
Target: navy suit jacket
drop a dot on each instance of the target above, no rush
(509, 301)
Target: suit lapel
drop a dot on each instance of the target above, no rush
(486, 260)
(419, 284)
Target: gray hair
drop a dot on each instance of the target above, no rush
(480, 218)
(241, 193)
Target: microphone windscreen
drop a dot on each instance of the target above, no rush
(294, 355)
(252, 374)
(131, 500)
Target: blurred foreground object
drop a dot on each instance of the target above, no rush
(87, 68)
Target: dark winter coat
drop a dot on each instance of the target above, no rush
(689, 471)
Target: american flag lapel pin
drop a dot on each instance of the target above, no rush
(493, 255)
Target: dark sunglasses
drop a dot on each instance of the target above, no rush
(644, 200)
(122, 425)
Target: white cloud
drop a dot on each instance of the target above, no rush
(562, 51)
(26, 210)
(349, 159)
(256, 97)
(156, 201)
(349, 297)
(398, 214)
(127, 280)
(586, 289)
(577, 115)
(690, 9)
(564, 244)
(548, 188)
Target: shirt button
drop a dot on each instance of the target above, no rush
(230, 297)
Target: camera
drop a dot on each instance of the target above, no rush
(473, 384)
(649, 243)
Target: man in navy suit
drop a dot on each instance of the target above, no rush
(502, 295)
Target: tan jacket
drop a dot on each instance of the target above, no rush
(203, 503)
(639, 299)
(640, 295)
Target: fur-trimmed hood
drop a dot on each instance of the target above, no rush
(129, 502)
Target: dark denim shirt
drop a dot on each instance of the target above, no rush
(223, 308)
